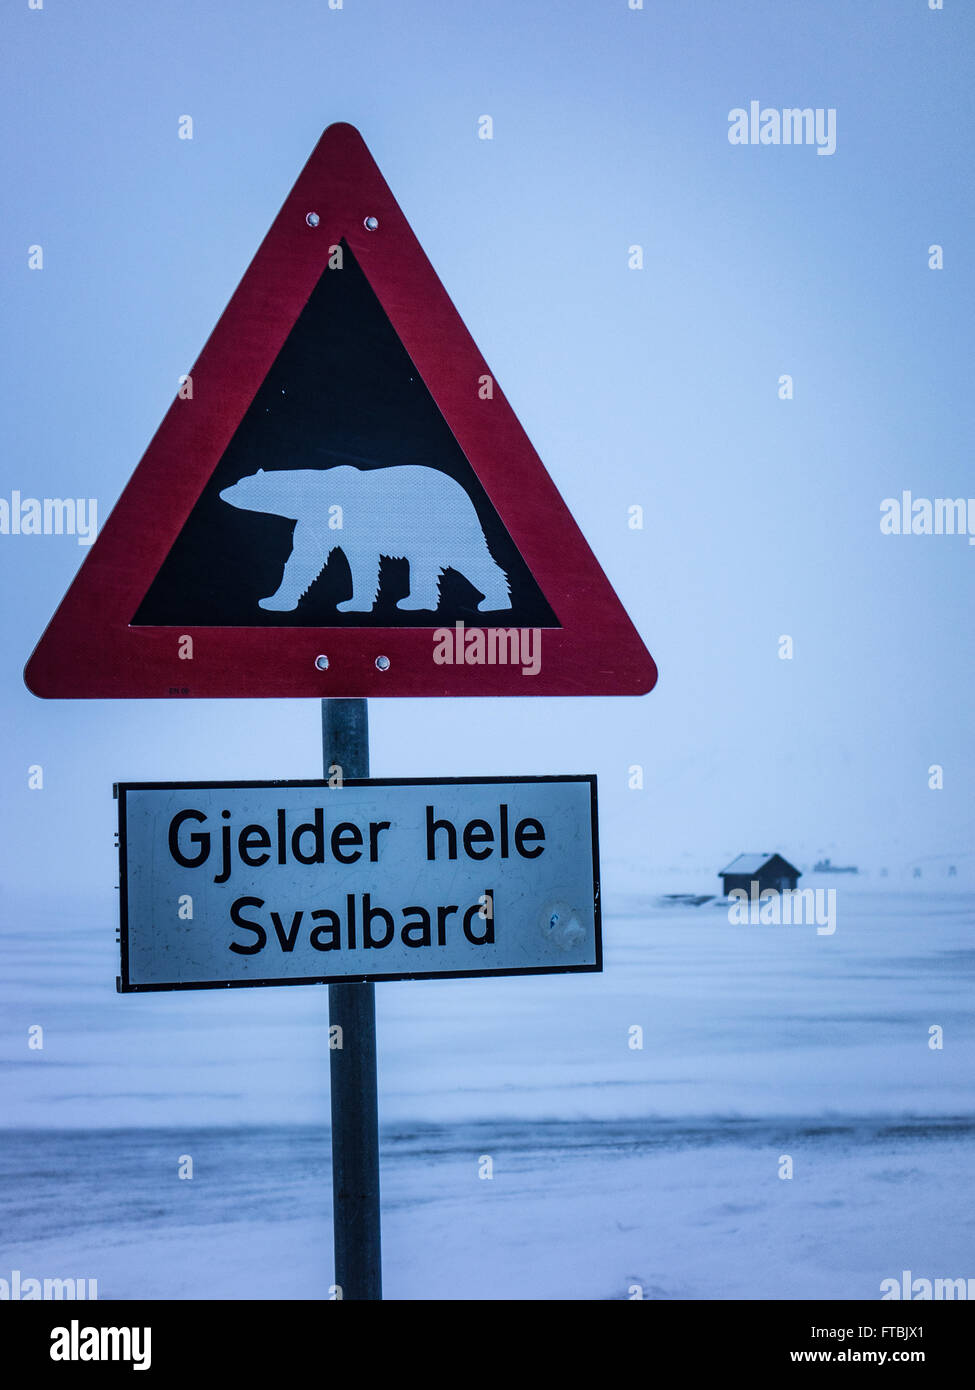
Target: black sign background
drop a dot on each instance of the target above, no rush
(342, 390)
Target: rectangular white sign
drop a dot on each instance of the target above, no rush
(275, 883)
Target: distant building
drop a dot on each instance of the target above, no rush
(769, 870)
(826, 866)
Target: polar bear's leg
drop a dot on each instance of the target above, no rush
(305, 563)
(489, 577)
(424, 588)
(364, 567)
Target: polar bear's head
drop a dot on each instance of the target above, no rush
(263, 492)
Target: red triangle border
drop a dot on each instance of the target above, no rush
(89, 650)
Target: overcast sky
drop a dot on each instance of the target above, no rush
(657, 387)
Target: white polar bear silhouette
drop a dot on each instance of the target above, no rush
(406, 511)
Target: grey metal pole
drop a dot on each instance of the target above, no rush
(355, 1112)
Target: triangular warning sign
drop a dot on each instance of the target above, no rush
(340, 501)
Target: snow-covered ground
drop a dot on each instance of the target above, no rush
(613, 1165)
